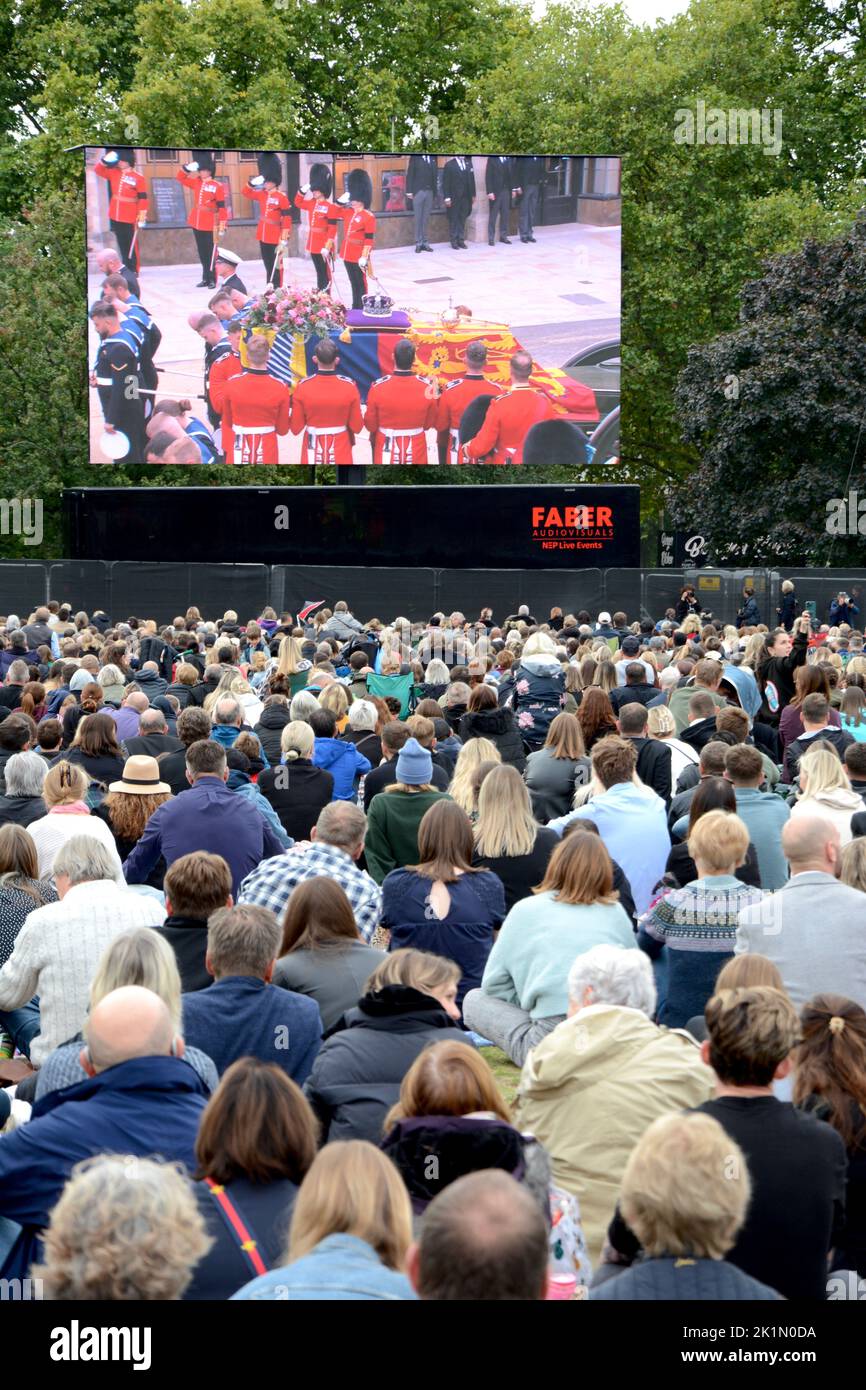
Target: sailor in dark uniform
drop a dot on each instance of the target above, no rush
(226, 267)
(118, 377)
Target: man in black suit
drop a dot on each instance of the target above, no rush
(530, 176)
(421, 176)
(153, 738)
(458, 192)
(498, 183)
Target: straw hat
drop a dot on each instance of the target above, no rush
(140, 777)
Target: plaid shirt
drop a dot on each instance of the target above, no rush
(271, 884)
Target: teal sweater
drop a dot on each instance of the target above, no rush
(537, 946)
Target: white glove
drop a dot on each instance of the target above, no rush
(363, 263)
(344, 197)
(305, 188)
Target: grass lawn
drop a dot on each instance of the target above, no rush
(506, 1073)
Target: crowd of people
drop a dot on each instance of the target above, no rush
(504, 959)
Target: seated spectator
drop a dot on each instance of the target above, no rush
(442, 904)
(137, 956)
(255, 1145)
(360, 729)
(763, 813)
(242, 1013)
(90, 701)
(50, 732)
(394, 817)
(538, 686)
(653, 765)
(21, 888)
(185, 678)
(852, 713)
(67, 816)
(153, 738)
(808, 680)
(273, 719)
(700, 727)
(128, 716)
(394, 736)
(112, 1239)
(25, 776)
(662, 727)
(817, 728)
(507, 838)
(711, 794)
(240, 781)
(705, 678)
(16, 736)
(140, 1098)
(734, 720)
(337, 843)
(343, 760)
(485, 719)
(17, 676)
(685, 1194)
(711, 763)
(593, 1085)
(783, 925)
(95, 748)
(855, 765)
(195, 886)
(554, 771)
(743, 972)
(635, 688)
(483, 1238)
(620, 882)
(296, 789)
(461, 788)
(630, 818)
(350, 1233)
(435, 682)
(59, 946)
(322, 953)
(830, 1083)
(193, 725)
(698, 923)
(208, 817)
(826, 791)
(129, 805)
(595, 716)
(356, 1078)
(523, 994)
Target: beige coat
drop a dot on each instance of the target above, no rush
(590, 1089)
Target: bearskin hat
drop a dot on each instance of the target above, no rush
(473, 418)
(270, 168)
(560, 442)
(360, 187)
(320, 179)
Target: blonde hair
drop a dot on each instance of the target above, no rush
(720, 840)
(754, 652)
(565, 735)
(660, 721)
(854, 864)
(353, 1189)
(65, 782)
(419, 970)
(505, 825)
(297, 739)
(691, 623)
(289, 657)
(821, 771)
(139, 957)
(605, 674)
(686, 1188)
(471, 756)
(335, 698)
(540, 644)
(747, 971)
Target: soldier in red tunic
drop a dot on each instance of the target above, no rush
(256, 408)
(127, 206)
(456, 397)
(225, 368)
(400, 407)
(328, 407)
(275, 211)
(208, 215)
(510, 418)
(359, 230)
(315, 200)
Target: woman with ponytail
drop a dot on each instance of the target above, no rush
(33, 700)
(830, 1081)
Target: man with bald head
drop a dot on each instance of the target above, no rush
(153, 738)
(128, 717)
(109, 263)
(814, 928)
(140, 1098)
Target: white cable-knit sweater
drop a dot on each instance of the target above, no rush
(51, 832)
(58, 949)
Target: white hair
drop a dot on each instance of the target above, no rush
(84, 859)
(363, 715)
(437, 672)
(110, 675)
(25, 773)
(616, 975)
(539, 644)
(669, 677)
(303, 704)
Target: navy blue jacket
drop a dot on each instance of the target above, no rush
(241, 1016)
(210, 817)
(668, 1278)
(150, 1105)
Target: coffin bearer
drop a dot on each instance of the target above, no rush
(456, 397)
(314, 198)
(127, 206)
(510, 417)
(256, 408)
(275, 211)
(328, 407)
(208, 215)
(400, 408)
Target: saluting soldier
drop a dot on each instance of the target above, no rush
(359, 231)
(328, 407)
(256, 408)
(127, 205)
(401, 407)
(458, 192)
(209, 214)
(456, 397)
(314, 198)
(275, 210)
(118, 379)
(510, 417)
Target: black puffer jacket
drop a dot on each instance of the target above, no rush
(357, 1075)
(272, 721)
(500, 726)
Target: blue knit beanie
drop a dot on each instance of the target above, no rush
(414, 764)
